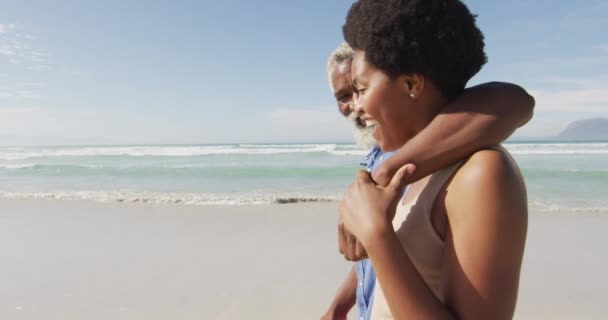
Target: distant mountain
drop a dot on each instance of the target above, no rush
(589, 129)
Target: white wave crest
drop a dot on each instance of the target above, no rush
(349, 152)
(160, 151)
(17, 166)
(557, 148)
(554, 206)
(15, 154)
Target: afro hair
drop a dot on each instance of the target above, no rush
(435, 38)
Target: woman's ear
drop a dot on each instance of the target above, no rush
(413, 84)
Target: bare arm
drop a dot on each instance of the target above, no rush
(487, 212)
(485, 242)
(482, 116)
(345, 298)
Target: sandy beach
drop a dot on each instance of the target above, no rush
(88, 260)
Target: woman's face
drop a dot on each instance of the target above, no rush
(383, 103)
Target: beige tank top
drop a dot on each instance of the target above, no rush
(418, 237)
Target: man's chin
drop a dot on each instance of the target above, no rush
(363, 135)
(364, 139)
(368, 145)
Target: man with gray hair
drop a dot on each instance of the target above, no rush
(338, 74)
(482, 116)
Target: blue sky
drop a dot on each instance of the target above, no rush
(128, 72)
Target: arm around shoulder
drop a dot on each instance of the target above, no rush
(510, 98)
(482, 116)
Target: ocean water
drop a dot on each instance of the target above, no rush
(559, 176)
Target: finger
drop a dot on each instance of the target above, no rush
(341, 238)
(364, 177)
(360, 251)
(352, 246)
(382, 176)
(402, 178)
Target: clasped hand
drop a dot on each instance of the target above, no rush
(367, 210)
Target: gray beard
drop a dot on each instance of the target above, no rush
(363, 135)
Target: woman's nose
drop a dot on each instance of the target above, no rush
(355, 105)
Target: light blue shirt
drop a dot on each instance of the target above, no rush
(366, 276)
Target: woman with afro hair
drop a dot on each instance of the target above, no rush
(452, 246)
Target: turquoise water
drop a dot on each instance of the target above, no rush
(559, 176)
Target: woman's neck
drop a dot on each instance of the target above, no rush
(428, 108)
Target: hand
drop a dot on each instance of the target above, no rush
(383, 174)
(345, 297)
(368, 208)
(335, 313)
(349, 246)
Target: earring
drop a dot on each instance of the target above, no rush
(412, 95)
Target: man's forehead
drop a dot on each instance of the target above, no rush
(341, 75)
(341, 78)
(344, 67)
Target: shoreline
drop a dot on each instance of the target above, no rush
(200, 199)
(205, 200)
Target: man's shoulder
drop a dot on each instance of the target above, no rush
(371, 157)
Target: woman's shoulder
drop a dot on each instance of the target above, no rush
(493, 165)
(488, 178)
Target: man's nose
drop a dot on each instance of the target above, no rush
(350, 106)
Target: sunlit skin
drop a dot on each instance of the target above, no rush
(392, 134)
(482, 211)
(484, 115)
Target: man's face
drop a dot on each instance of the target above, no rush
(343, 87)
(344, 93)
